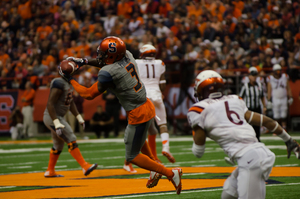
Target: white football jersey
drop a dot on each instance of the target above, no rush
(223, 121)
(150, 71)
(279, 85)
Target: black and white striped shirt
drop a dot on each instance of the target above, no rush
(252, 95)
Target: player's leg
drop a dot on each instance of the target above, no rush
(254, 168)
(56, 149)
(163, 129)
(283, 112)
(230, 186)
(152, 132)
(134, 139)
(70, 138)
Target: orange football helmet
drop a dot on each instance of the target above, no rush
(111, 50)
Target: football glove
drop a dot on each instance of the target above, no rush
(65, 76)
(58, 127)
(79, 61)
(292, 146)
(290, 101)
(81, 121)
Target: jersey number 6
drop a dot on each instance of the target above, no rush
(229, 113)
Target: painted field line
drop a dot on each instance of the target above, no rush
(191, 191)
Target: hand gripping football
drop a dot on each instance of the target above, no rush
(68, 67)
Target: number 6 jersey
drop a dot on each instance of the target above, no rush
(223, 121)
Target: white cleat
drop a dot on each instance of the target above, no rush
(129, 168)
(176, 180)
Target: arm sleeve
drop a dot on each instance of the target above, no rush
(194, 117)
(87, 93)
(30, 95)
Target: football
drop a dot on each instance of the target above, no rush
(67, 66)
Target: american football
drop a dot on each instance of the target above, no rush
(68, 66)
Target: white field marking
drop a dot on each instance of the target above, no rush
(276, 147)
(7, 187)
(20, 167)
(57, 167)
(203, 165)
(175, 139)
(193, 174)
(24, 150)
(22, 163)
(286, 165)
(191, 191)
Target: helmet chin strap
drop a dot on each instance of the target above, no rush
(215, 95)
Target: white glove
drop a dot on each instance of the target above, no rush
(58, 127)
(81, 120)
(290, 101)
(269, 105)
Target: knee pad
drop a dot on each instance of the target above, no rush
(72, 145)
(54, 151)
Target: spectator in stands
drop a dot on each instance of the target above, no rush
(16, 123)
(30, 127)
(101, 122)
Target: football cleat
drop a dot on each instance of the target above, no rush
(129, 168)
(153, 179)
(168, 155)
(176, 179)
(51, 174)
(89, 168)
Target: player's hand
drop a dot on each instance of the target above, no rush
(269, 105)
(58, 127)
(290, 101)
(81, 121)
(79, 61)
(65, 76)
(293, 146)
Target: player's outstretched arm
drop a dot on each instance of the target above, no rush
(85, 61)
(87, 93)
(273, 126)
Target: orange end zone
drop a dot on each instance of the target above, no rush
(75, 184)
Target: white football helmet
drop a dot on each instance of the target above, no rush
(210, 84)
(276, 67)
(147, 50)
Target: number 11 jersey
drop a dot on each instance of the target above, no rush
(223, 121)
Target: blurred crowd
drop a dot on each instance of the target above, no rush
(36, 35)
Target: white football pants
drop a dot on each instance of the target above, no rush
(247, 181)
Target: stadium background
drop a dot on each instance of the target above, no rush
(190, 36)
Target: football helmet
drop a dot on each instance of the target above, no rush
(110, 50)
(147, 50)
(208, 84)
(277, 69)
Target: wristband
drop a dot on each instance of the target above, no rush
(284, 136)
(198, 150)
(79, 118)
(56, 123)
(162, 81)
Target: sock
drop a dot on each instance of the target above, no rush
(165, 140)
(78, 157)
(53, 159)
(152, 145)
(147, 151)
(145, 162)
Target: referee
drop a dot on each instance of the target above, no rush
(252, 93)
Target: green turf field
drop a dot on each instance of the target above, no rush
(109, 153)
